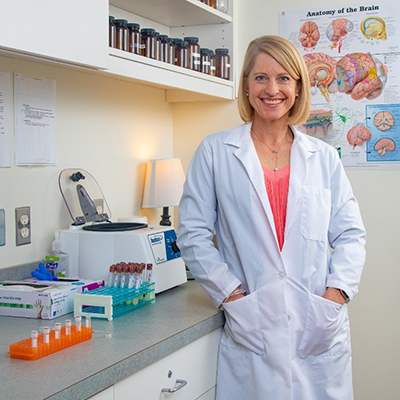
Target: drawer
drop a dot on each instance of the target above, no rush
(195, 363)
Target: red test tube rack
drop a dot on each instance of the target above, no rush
(43, 344)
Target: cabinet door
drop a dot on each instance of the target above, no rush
(195, 363)
(72, 31)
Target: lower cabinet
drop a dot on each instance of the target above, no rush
(189, 374)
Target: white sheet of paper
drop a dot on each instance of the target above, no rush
(35, 120)
(5, 119)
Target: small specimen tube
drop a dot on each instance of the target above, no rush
(67, 326)
(46, 334)
(34, 336)
(57, 330)
(78, 322)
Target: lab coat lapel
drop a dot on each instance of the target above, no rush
(247, 154)
(300, 152)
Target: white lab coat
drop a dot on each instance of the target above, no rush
(282, 341)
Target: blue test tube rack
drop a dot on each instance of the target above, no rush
(109, 302)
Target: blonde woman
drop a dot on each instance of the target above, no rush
(290, 239)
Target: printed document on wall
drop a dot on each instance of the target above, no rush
(5, 119)
(35, 120)
(352, 52)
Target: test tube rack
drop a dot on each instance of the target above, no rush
(24, 349)
(109, 302)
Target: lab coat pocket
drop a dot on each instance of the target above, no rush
(315, 213)
(326, 327)
(242, 323)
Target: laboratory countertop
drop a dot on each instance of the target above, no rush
(178, 317)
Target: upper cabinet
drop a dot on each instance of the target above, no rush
(72, 31)
(76, 33)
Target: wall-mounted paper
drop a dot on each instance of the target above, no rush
(5, 119)
(35, 120)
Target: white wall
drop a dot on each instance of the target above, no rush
(374, 313)
(108, 127)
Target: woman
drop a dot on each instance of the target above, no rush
(290, 239)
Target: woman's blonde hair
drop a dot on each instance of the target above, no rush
(286, 54)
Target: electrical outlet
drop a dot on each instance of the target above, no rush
(2, 227)
(23, 225)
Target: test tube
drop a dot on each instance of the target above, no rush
(111, 275)
(46, 334)
(88, 321)
(78, 322)
(118, 276)
(68, 327)
(149, 273)
(123, 277)
(57, 330)
(34, 336)
(131, 276)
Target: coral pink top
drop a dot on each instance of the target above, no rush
(277, 185)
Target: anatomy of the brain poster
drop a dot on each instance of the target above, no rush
(352, 53)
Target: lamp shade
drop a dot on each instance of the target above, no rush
(164, 183)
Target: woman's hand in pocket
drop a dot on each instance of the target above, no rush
(235, 295)
(334, 295)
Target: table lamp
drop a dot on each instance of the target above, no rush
(163, 186)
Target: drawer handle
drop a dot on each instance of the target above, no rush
(181, 382)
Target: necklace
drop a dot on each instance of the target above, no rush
(272, 150)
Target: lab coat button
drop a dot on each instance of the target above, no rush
(281, 275)
(288, 317)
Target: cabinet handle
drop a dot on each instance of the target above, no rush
(181, 382)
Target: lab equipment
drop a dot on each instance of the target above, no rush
(50, 341)
(92, 248)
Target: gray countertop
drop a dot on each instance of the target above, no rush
(178, 317)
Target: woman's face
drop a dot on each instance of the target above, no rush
(272, 90)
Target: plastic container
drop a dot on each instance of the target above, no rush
(112, 32)
(193, 53)
(223, 5)
(213, 3)
(122, 30)
(148, 42)
(135, 38)
(223, 63)
(58, 261)
(205, 61)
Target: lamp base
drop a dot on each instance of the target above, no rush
(165, 221)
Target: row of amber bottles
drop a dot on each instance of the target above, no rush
(184, 52)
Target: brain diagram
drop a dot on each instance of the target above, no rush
(337, 31)
(321, 69)
(357, 135)
(309, 35)
(319, 123)
(361, 75)
(384, 120)
(384, 145)
(373, 28)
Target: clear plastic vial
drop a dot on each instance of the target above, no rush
(122, 34)
(223, 5)
(223, 63)
(193, 53)
(112, 32)
(135, 38)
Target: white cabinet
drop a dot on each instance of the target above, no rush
(195, 364)
(75, 33)
(177, 18)
(72, 31)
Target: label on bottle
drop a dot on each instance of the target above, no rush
(207, 63)
(195, 55)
